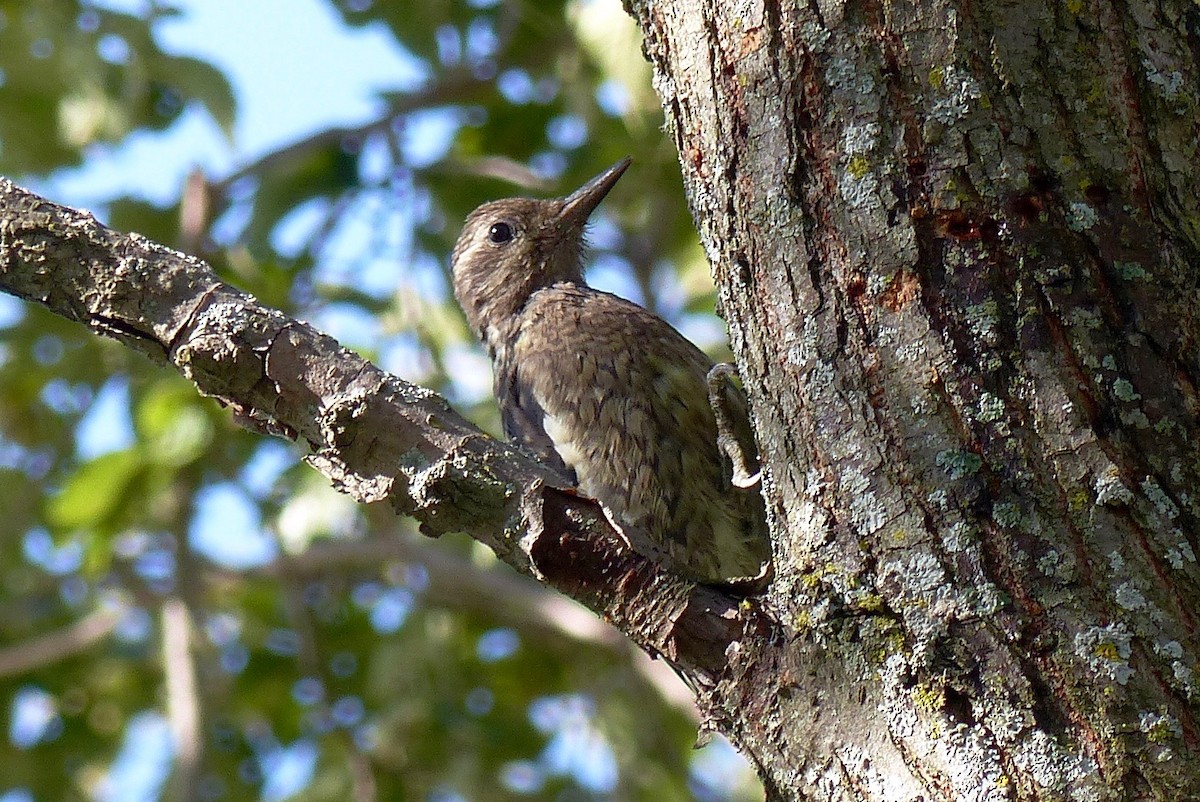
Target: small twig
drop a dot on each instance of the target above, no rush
(183, 702)
(500, 168)
(453, 87)
(194, 211)
(52, 647)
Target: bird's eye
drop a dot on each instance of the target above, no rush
(500, 233)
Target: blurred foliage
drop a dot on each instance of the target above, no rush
(323, 641)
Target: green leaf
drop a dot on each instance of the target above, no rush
(169, 416)
(296, 178)
(200, 82)
(93, 495)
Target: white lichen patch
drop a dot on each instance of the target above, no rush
(980, 600)
(923, 406)
(859, 139)
(898, 711)
(912, 352)
(876, 284)
(1185, 675)
(921, 575)
(1159, 499)
(1159, 727)
(813, 35)
(1123, 389)
(803, 347)
(874, 776)
(1182, 669)
(984, 320)
(1129, 597)
(811, 521)
(1106, 650)
(1049, 562)
(958, 464)
(1185, 548)
(1135, 418)
(814, 482)
(821, 377)
(959, 91)
(1170, 648)
(1054, 768)
(844, 75)
(958, 537)
(1111, 491)
(867, 512)
(1160, 730)
(1180, 552)
(924, 596)
(1081, 217)
(859, 187)
(1168, 83)
(976, 772)
(1006, 722)
(991, 408)
(1008, 514)
(939, 499)
(989, 599)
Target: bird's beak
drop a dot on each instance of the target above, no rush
(579, 205)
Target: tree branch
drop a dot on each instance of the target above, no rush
(374, 436)
(183, 698)
(458, 87)
(69, 641)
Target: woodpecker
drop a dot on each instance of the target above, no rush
(608, 392)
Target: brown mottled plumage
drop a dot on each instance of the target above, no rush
(603, 389)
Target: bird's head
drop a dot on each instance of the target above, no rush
(509, 249)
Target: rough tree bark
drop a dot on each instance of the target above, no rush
(958, 246)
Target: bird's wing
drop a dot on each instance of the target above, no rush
(522, 416)
(606, 376)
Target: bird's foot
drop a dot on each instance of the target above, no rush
(719, 378)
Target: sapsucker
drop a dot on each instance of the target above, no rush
(606, 391)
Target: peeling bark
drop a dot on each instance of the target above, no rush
(958, 247)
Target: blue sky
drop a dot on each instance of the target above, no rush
(295, 70)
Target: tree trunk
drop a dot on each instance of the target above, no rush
(958, 247)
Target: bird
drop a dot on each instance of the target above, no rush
(607, 392)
